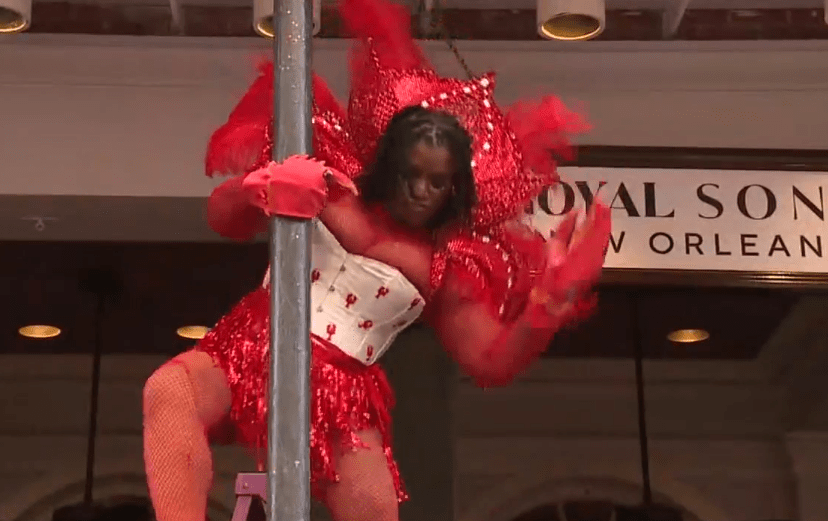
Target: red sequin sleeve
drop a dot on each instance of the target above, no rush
(482, 312)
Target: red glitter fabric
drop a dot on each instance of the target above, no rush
(500, 266)
(347, 397)
(492, 261)
(512, 152)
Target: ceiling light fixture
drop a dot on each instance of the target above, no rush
(688, 336)
(263, 17)
(192, 332)
(39, 331)
(15, 15)
(570, 19)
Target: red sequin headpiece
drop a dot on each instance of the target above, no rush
(512, 160)
(500, 176)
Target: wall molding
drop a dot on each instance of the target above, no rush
(631, 66)
(127, 115)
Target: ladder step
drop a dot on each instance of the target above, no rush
(251, 489)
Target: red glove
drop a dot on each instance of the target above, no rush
(298, 187)
(575, 258)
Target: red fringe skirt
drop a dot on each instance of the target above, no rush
(346, 396)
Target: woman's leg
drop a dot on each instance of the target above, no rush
(183, 399)
(365, 490)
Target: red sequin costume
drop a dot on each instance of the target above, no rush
(476, 281)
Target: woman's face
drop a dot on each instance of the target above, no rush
(424, 186)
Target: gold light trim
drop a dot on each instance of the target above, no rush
(39, 331)
(15, 16)
(263, 17)
(571, 27)
(688, 336)
(192, 332)
(264, 27)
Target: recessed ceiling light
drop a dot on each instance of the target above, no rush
(39, 331)
(192, 332)
(688, 336)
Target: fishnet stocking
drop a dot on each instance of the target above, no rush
(365, 491)
(183, 399)
(187, 397)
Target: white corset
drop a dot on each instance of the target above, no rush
(358, 304)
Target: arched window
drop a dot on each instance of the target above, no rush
(600, 510)
(127, 508)
(115, 508)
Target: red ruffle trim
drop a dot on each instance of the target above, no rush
(346, 396)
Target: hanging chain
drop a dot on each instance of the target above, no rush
(438, 24)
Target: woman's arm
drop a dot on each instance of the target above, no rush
(362, 231)
(494, 343)
(487, 349)
(492, 351)
(302, 188)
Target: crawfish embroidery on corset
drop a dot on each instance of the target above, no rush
(331, 330)
(366, 325)
(382, 291)
(350, 300)
(315, 275)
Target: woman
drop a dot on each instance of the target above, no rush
(431, 233)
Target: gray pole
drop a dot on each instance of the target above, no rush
(288, 454)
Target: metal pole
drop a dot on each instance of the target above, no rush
(642, 406)
(288, 454)
(92, 434)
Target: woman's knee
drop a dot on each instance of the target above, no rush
(386, 507)
(168, 385)
(366, 487)
(362, 502)
(190, 380)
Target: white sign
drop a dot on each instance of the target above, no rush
(701, 219)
